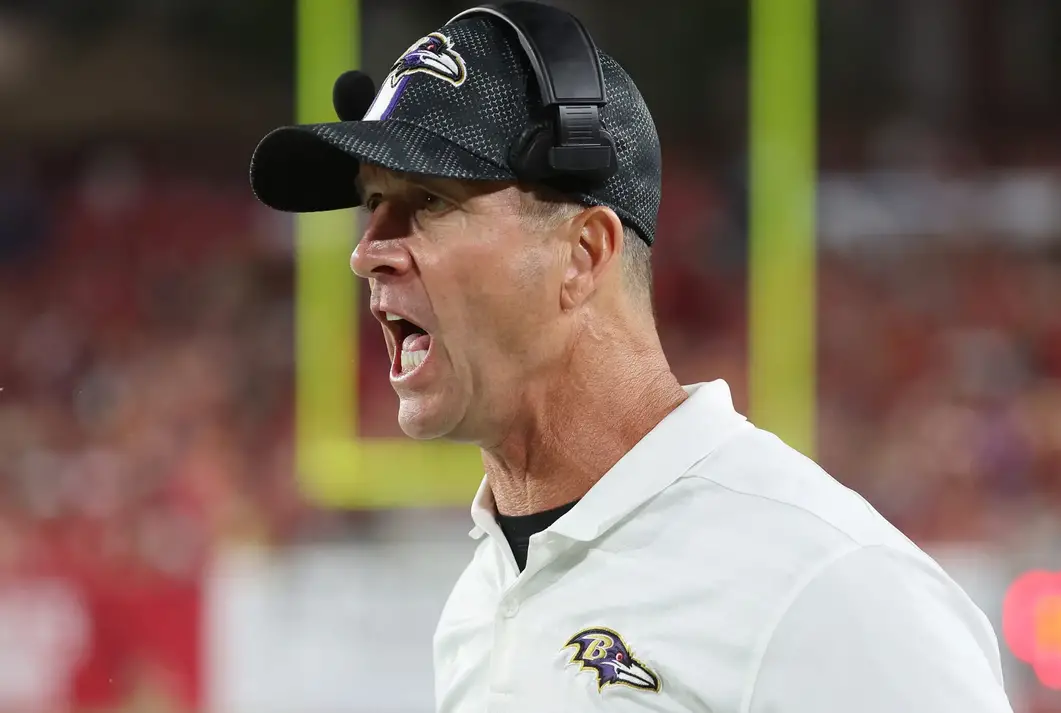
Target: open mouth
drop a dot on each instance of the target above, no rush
(412, 345)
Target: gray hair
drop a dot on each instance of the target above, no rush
(546, 209)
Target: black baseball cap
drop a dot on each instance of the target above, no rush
(455, 105)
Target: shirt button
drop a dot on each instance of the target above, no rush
(509, 609)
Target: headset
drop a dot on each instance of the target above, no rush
(573, 147)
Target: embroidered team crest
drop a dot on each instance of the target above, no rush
(604, 652)
(433, 55)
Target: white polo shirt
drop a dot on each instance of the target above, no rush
(712, 569)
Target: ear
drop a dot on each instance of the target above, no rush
(595, 246)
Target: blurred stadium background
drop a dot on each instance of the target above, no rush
(156, 553)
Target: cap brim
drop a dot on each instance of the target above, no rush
(309, 168)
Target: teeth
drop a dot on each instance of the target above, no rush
(391, 317)
(411, 360)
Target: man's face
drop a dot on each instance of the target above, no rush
(468, 296)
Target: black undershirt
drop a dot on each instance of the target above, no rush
(519, 528)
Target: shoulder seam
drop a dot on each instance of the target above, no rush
(784, 503)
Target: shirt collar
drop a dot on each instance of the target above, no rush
(683, 438)
(484, 513)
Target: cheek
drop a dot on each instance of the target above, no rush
(525, 306)
(508, 306)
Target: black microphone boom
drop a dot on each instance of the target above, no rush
(352, 95)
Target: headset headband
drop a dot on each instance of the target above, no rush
(565, 61)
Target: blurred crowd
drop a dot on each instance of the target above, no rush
(146, 373)
(146, 368)
(147, 325)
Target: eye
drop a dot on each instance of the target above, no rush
(432, 203)
(619, 656)
(371, 203)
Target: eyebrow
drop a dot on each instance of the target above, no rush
(449, 189)
(403, 183)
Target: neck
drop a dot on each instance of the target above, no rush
(572, 430)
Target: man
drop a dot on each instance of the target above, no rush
(643, 547)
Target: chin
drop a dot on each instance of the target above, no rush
(426, 419)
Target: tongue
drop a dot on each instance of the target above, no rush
(416, 342)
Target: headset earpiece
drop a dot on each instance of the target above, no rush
(533, 158)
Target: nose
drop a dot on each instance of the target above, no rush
(381, 250)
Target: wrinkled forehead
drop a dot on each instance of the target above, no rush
(375, 179)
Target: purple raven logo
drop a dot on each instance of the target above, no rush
(604, 652)
(433, 54)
